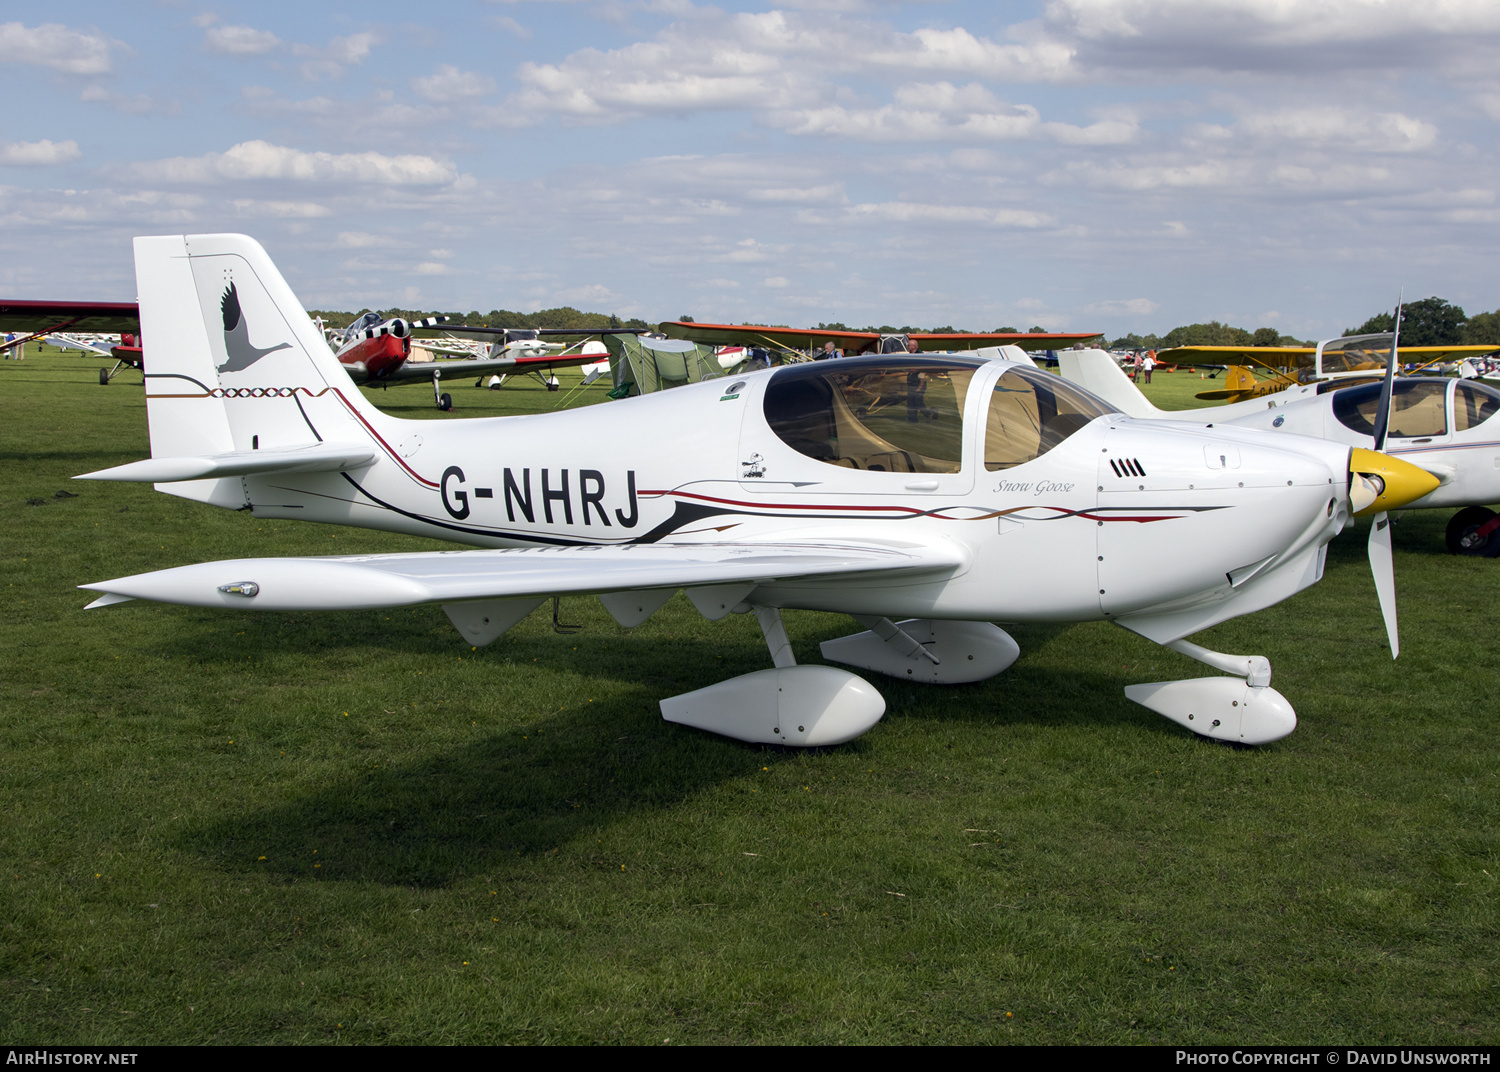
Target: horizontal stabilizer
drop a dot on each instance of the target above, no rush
(321, 457)
(369, 581)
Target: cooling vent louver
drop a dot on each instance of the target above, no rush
(1127, 467)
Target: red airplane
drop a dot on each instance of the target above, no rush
(374, 351)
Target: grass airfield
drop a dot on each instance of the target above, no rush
(352, 828)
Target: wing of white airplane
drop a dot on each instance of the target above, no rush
(423, 371)
(88, 346)
(718, 575)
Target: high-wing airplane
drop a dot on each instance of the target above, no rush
(1446, 426)
(39, 319)
(1361, 358)
(378, 352)
(1004, 494)
(810, 340)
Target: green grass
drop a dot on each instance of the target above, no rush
(354, 828)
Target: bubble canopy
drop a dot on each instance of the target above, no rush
(905, 414)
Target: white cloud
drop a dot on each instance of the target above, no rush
(1122, 307)
(918, 212)
(1284, 37)
(345, 122)
(360, 240)
(260, 160)
(127, 103)
(1335, 128)
(281, 210)
(800, 195)
(329, 61)
(510, 26)
(1128, 176)
(959, 51)
(775, 282)
(319, 61)
(109, 214)
(55, 46)
(38, 153)
(351, 50)
(432, 268)
(595, 294)
(450, 84)
(941, 111)
(239, 40)
(763, 61)
(1286, 22)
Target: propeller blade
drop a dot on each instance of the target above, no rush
(1383, 413)
(1382, 565)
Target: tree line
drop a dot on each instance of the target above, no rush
(1433, 322)
(563, 317)
(1428, 322)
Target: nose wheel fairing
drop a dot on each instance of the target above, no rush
(1221, 708)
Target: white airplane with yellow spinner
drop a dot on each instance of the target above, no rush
(1447, 426)
(962, 490)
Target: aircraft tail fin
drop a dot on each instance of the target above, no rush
(1240, 385)
(233, 363)
(1239, 378)
(1097, 371)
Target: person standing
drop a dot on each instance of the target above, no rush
(1148, 363)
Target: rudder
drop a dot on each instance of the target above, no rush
(233, 363)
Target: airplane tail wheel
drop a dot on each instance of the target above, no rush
(445, 401)
(104, 377)
(1465, 535)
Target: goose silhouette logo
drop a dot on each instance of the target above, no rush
(241, 353)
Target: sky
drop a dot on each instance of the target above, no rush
(1080, 165)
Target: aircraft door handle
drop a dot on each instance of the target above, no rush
(921, 485)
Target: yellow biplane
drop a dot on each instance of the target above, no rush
(1347, 361)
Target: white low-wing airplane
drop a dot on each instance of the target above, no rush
(926, 495)
(1450, 427)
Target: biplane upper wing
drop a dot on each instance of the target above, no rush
(44, 317)
(784, 338)
(1271, 357)
(1298, 357)
(1428, 355)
